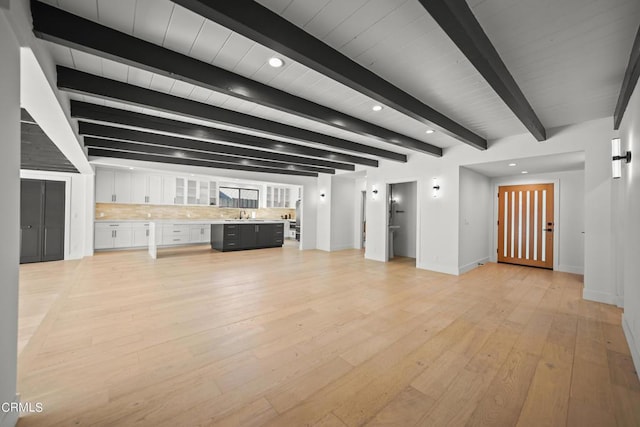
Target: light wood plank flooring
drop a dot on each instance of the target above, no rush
(281, 337)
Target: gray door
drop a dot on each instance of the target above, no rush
(53, 238)
(31, 209)
(42, 206)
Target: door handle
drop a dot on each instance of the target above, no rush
(29, 226)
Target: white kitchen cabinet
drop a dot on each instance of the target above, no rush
(203, 193)
(175, 234)
(181, 191)
(199, 233)
(103, 238)
(112, 235)
(192, 192)
(146, 189)
(113, 186)
(278, 197)
(168, 190)
(140, 235)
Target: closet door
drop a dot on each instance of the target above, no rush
(53, 238)
(42, 205)
(31, 209)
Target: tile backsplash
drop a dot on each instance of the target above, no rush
(121, 211)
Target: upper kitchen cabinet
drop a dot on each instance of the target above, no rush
(279, 197)
(146, 189)
(113, 186)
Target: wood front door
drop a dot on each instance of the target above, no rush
(526, 225)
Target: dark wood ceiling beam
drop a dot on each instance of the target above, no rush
(195, 155)
(130, 135)
(628, 83)
(60, 27)
(79, 82)
(457, 20)
(263, 26)
(99, 113)
(100, 152)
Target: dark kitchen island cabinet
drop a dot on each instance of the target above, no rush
(251, 235)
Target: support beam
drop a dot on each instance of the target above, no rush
(84, 83)
(194, 155)
(118, 117)
(629, 82)
(60, 27)
(263, 26)
(100, 152)
(130, 135)
(457, 20)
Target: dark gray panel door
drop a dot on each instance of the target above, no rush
(31, 211)
(53, 239)
(42, 205)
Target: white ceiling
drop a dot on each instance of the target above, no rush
(568, 56)
(532, 165)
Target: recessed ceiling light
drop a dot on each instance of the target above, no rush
(430, 131)
(276, 62)
(512, 164)
(524, 172)
(376, 107)
(130, 169)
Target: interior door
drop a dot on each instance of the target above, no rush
(42, 217)
(526, 225)
(31, 210)
(53, 239)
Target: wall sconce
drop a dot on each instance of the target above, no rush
(617, 158)
(436, 187)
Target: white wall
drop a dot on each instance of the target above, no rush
(569, 214)
(404, 243)
(10, 214)
(475, 223)
(627, 246)
(358, 214)
(343, 208)
(438, 221)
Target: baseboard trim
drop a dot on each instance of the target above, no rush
(466, 268)
(10, 419)
(571, 269)
(633, 346)
(341, 248)
(438, 268)
(598, 296)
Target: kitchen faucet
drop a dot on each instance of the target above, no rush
(243, 214)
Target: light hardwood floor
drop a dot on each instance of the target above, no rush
(286, 338)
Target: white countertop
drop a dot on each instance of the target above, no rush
(197, 221)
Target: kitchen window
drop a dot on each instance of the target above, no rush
(231, 197)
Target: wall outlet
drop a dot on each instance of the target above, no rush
(101, 214)
(149, 215)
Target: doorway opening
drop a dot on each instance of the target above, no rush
(526, 225)
(402, 222)
(363, 220)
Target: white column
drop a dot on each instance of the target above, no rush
(10, 214)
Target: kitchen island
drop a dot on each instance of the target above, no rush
(250, 233)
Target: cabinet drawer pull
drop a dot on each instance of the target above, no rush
(176, 240)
